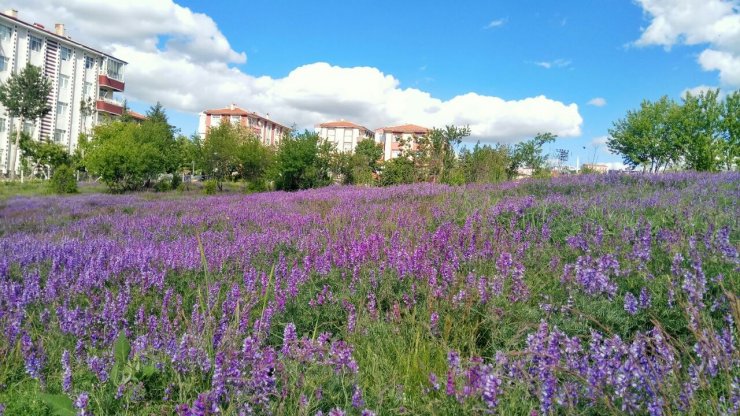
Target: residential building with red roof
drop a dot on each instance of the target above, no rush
(396, 139)
(344, 135)
(78, 74)
(268, 131)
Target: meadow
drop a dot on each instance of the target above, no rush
(590, 295)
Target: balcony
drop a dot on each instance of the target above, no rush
(109, 106)
(109, 83)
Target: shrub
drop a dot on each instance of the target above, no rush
(163, 185)
(63, 180)
(397, 171)
(210, 186)
(176, 180)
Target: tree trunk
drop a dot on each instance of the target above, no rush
(14, 148)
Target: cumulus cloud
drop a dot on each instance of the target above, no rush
(558, 63)
(698, 90)
(599, 141)
(597, 102)
(715, 23)
(496, 23)
(161, 39)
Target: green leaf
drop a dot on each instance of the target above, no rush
(60, 404)
(122, 349)
(148, 371)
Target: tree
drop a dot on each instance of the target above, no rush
(529, 154)
(397, 171)
(63, 181)
(729, 127)
(434, 156)
(697, 131)
(44, 154)
(24, 96)
(485, 164)
(124, 156)
(302, 162)
(371, 151)
(220, 153)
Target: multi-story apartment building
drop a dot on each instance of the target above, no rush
(398, 138)
(86, 83)
(268, 131)
(344, 135)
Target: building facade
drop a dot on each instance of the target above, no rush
(268, 131)
(86, 83)
(399, 138)
(344, 135)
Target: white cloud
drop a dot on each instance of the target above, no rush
(599, 142)
(558, 63)
(693, 22)
(496, 23)
(698, 90)
(182, 59)
(597, 102)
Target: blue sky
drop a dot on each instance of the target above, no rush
(530, 65)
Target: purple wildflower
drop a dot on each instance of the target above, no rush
(630, 303)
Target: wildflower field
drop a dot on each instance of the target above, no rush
(586, 295)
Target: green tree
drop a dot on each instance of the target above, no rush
(530, 154)
(434, 155)
(648, 137)
(24, 96)
(124, 156)
(302, 162)
(696, 127)
(219, 153)
(485, 164)
(729, 131)
(371, 151)
(44, 154)
(397, 171)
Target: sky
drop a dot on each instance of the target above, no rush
(507, 69)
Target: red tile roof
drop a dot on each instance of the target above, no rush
(135, 115)
(345, 124)
(233, 110)
(406, 128)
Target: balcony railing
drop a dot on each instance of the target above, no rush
(109, 106)
(108, 82)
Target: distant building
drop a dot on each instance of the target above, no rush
(344, 135)
(86, 83)
(595, 167)
(138, 117)
(399, 138)
(268, 131)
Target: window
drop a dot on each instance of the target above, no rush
(66, 54)
(2, 125)
(28, 128)
(115, 70)
(348, 135)
(4, 63)
(63, 82)
(62, 109)
(215, 121)
(332, 133)
(236, 119)
(60, 135)
(36, 44)
(87, 90)
(5, 32)
(347, 147)
(89, 62)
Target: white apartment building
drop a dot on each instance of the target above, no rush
(344, 135)
(86, 83)
(268, 131)
(398, 138)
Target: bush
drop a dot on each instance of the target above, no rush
(257, 185)
(397, 171)
(176, 180)
(210, 186)
(163, 185)
(63, 180)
